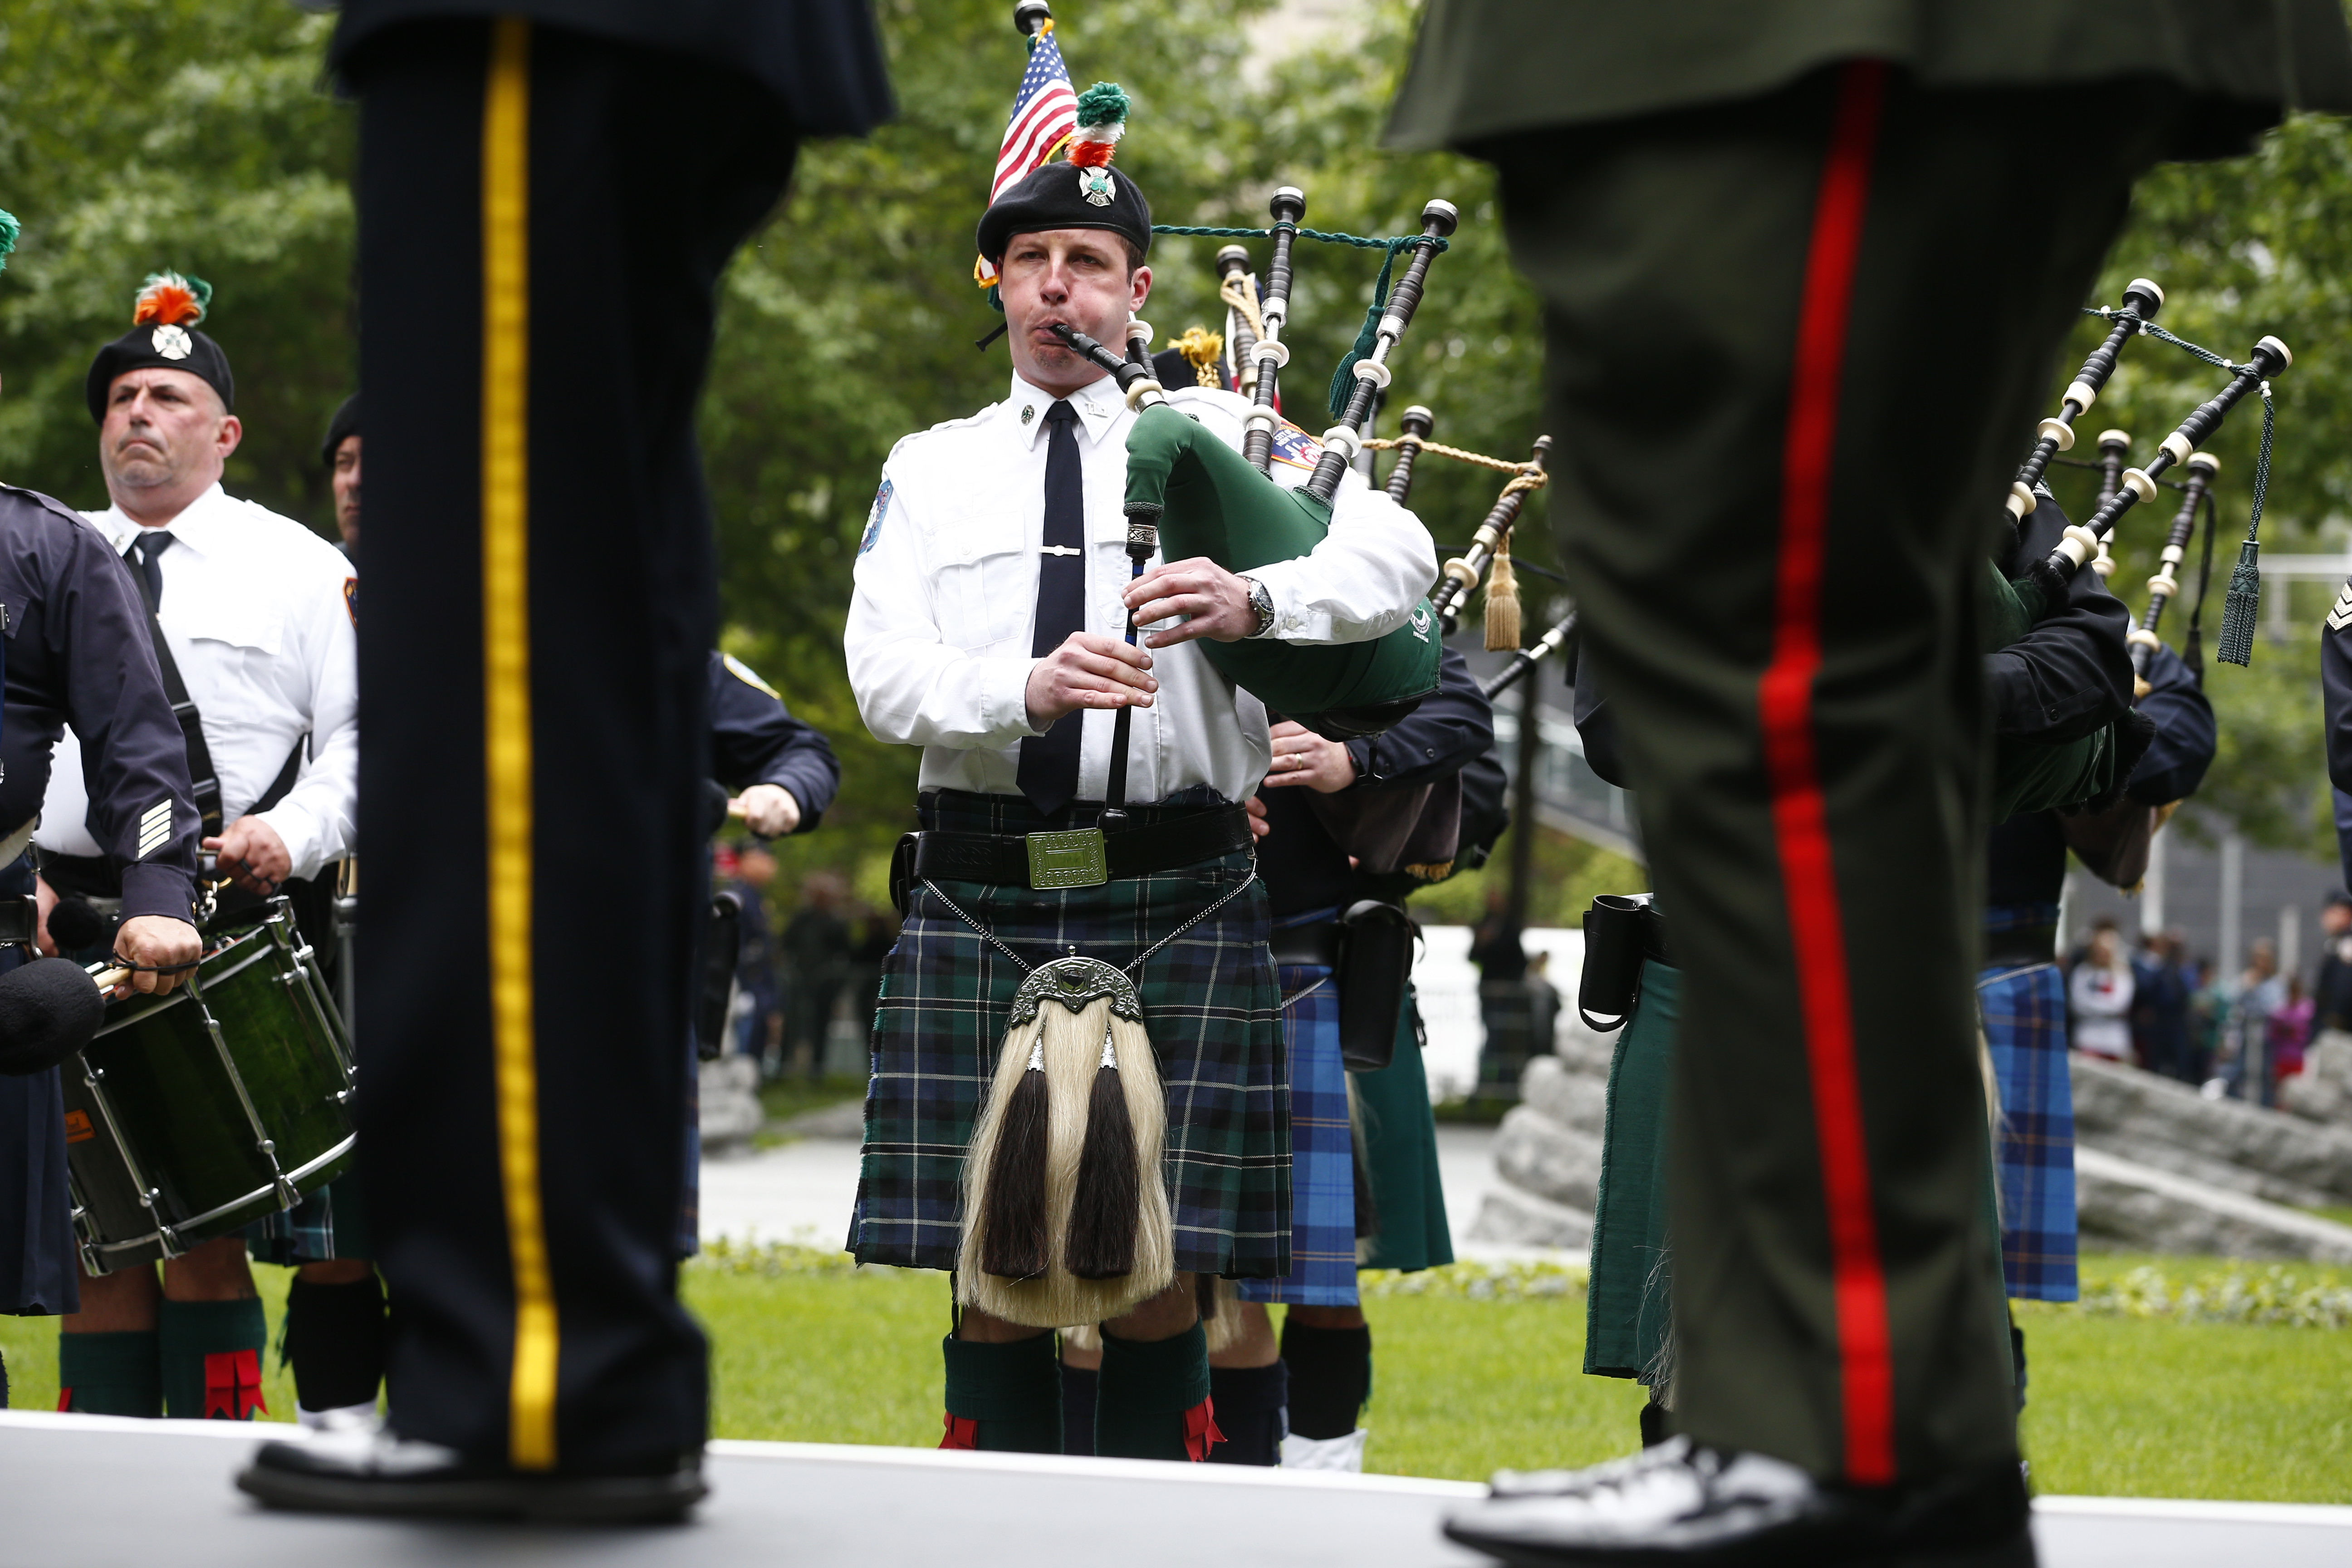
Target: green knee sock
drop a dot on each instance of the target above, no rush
(1006, 1397)
(212, 1358)
(110, 1375)
(1151, 1403)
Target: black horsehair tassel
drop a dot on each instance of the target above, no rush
(1103, 1217)
(1017, 1233)
(2236, 643)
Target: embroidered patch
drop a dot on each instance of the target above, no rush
(873, 518)
(748, 676)
(352, 601)
(2341, 615)
(1295, 447)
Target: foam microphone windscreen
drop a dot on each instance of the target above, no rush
(74, 925)
(48, 1010)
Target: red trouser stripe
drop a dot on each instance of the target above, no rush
(1800, 815)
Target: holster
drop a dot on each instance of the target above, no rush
(1621, 931)
(722, 949)
(902, 871)
(1375, 962)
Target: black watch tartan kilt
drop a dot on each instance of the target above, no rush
(1210, 1002)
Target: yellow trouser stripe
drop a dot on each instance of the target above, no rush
(506, 711)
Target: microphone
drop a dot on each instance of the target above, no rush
(48, 1010)
(74, 924)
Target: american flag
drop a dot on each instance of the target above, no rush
(1044, 115)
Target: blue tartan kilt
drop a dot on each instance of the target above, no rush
(1210, 1004)
(327, 1222)
(2025, 1027)
(1322, 1154)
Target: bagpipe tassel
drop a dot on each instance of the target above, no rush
(2244, 600)
(1501, 601)
(1092, 1163)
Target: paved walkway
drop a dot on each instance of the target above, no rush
(803, 1191)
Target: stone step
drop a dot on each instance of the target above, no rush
(2152, 1119)
(2121, 1202)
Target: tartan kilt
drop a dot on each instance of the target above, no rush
(1322, 1149)
(1210, 1004)
(327, 1221)
(2025, 1028)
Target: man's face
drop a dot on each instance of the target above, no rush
(165, 428)
(756, 867)
(347, 489)
(1078, 278)
(2336, 918)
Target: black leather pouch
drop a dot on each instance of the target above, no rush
(1375, 962)
(1621, 930)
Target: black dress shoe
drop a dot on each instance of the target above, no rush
(376, 1472)
(1684, 1503)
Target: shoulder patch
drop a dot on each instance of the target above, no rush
(873, 527)
(2341, 615)
(352, 600)
(750, 676)
(1295, 447)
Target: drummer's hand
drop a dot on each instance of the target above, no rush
(1259, 826)
(45, 898)
(1303, 757)
(1088, 671)
(768, 810)
(157, 942)
(252, 853)
(1216, 601)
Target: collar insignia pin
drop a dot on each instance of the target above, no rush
(172, 342)
(1028, 412)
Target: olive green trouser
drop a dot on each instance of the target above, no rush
(1795, 348)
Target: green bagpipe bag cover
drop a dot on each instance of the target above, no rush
(1216, 504)
(2035, 775)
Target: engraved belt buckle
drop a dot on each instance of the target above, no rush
(1072, 859)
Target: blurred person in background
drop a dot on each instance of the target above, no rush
(2285, 1032)
(2248, 999)
(2159, 1012)
(340, 454)
(2332, 995)
(816, 952)
(2099, 994)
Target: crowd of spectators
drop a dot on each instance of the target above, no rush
(2234, 1035)
(824, 966)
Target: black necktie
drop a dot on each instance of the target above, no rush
(149, 547)
(1049, 762)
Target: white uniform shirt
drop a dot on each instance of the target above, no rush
(260, 615)
(945, 601)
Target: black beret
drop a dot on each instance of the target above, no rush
(164, 337)
(346, 422)
(1059, 195)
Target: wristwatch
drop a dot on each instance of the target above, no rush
(1262, 602)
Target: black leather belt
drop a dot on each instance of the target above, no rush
(1315, 945)
(1082, 858)
(2023, 944)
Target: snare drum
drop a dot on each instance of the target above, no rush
(191, 1115)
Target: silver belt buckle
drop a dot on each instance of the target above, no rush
(1071, 860)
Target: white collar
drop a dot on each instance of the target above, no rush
(1099, 407)
(201, 525)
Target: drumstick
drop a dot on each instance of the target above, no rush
(738, 810)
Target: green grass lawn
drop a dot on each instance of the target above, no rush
(2121, 1405)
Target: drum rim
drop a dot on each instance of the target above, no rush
(263, 948)
(156, 1236)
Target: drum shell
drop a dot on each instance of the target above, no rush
(165, 1095)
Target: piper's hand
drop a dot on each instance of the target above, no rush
(155, 941)
(253, 855)
(1088, 671)
(1303, 757)
(768, 810)
(45, 898)
(1259, 826)
(1216, 601)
